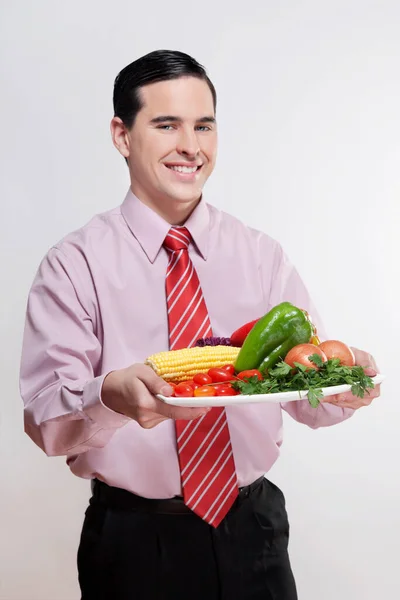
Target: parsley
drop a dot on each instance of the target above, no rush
(283, 378)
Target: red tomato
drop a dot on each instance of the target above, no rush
(250, 373)
(225, 389)
(202, 378)
(300, 354)
(216, 386)
(191, 383)
(336, 349)
(183, 389)
(229, 369)
(205, 390)
(219, 375)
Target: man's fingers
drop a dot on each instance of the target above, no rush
(366, 360)
(154, 383)
(338, 399)
(150, 410)
(157, 385)
(370, 371)
(348, 400)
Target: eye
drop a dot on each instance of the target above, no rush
(166, 127)
(204, 128)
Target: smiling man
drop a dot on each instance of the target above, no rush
(181, 507)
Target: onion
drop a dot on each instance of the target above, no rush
(300, 354)
(336, 349)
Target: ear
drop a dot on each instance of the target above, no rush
(119, 134)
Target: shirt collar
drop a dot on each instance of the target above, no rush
(150, 229)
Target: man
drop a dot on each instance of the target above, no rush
(102, 301)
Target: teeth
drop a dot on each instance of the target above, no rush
(184, 169)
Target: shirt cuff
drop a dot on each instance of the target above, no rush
(96, 410)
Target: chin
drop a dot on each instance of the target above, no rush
(186, 197)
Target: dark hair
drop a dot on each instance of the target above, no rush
(159, 65)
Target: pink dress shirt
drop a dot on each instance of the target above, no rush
(98, 303)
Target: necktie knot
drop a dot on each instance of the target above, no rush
(178, 238)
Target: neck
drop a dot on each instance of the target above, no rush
(172, 211)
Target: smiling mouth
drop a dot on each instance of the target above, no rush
(185, 170)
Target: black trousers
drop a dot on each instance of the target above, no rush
(137, 555)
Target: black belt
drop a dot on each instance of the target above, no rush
(118, 498)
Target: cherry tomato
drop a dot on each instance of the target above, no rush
(191, 383)
(229, 369)
(216, 386)
(250, 373)
(225, 389)
(202, 378)
(219, 375)
(205, 390)
(183, 390)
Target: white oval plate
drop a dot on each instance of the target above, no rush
(257, 398)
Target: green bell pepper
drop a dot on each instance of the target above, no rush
(271, 338)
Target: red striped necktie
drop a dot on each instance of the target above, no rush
(208, 474)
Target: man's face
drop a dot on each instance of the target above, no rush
(173, 142)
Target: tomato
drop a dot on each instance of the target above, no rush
(219, 375)
(229, 369)
(225, 389)
(192, 384)
(183, 390)
(300, 354)
(205, 390)
(336, 349)
(216, 386)
(250, 373)
(202, 379)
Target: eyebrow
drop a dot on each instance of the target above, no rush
(172, 119)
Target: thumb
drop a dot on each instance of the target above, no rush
(154, 383)
(370, 371)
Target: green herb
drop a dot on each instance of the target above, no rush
(283, 378)
(314, 397)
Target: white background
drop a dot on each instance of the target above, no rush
(309, 97)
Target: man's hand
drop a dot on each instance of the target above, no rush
(348, 400)
(131, 392)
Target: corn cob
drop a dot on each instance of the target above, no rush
(183, 364)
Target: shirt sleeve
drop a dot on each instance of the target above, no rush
(59, 380)
(287, 285)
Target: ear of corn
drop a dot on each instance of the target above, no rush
(183, 364)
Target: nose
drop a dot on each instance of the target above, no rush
(188, 144)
